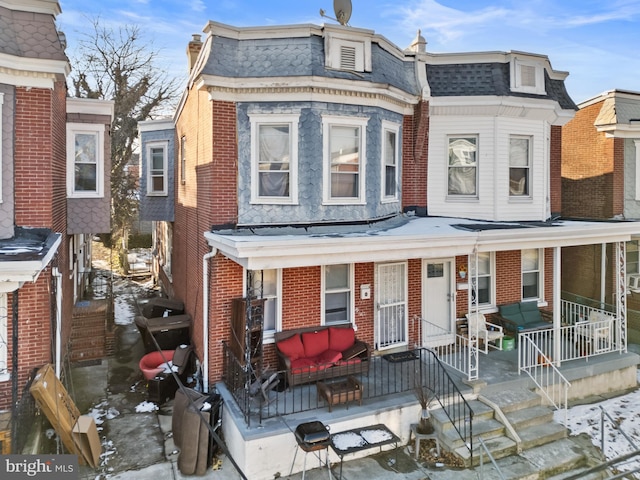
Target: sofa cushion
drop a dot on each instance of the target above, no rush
(512, 312)
(530, 313)
(292, 347)
(315, 342)
(307, 365)
(341, 338)
(351, 361)
(328, 356)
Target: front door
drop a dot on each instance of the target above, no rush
(391, 296)
(437, 309)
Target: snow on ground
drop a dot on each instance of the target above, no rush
(625, 412)
(126, 294)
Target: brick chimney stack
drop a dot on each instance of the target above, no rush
(193, 50)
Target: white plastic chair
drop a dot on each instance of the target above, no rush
(484, 332)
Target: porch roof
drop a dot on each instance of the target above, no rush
(403, 237)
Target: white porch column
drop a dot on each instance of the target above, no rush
(557, 315)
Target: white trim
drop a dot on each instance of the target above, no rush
(292, 120)
(97, 130)
(431, 237)
(329, 121)
(164, 144)
(90, 106)
(335, 42)
(35, 72)
(637, 192)
(1, 151)
(155, 125)
(517, 82)
(350, 289)
(395, 128)
(491, 304)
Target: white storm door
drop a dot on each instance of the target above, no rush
(437, 308)
(391, 295)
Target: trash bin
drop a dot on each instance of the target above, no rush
(508, 343)
(169, 332)
(162, 307)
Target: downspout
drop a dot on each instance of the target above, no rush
(205, 318)
(58, 275)
(603, 275)
(14, 366)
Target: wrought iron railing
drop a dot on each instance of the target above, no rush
(260, 397)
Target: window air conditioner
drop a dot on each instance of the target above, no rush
(633, 282)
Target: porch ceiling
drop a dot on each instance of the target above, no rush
(402, 238)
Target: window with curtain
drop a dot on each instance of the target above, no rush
(531, 262)
(485, 278)
(463, 166)
(337, 294)
(390, 162)
(519, 165)
(274, 158)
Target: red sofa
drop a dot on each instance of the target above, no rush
(320, 353)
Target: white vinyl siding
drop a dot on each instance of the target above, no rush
(492, 201)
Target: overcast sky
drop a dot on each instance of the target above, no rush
(595, 41)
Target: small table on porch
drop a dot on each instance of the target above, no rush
(344, 391)
(358, 439)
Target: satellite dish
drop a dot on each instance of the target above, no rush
(342, 9)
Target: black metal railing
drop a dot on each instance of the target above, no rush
(264, 396)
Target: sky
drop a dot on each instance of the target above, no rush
(595, 41)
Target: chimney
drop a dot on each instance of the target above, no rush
(193, 50)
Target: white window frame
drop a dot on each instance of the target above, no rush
(540, 272)
(636, 252)
(395, 129)
(528, 167)
(268, 336)
(96, 130)
(350, 289)
(292, 120)
(492, 279)
(1, 151)
(637, 144)
(464, 196)
(4, 340)
(183, 160)
(164, 144)
(517, 81)
(329, 121)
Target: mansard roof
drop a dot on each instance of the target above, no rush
(30, 35)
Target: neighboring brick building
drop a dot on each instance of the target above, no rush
(55, 193)
(601, 180)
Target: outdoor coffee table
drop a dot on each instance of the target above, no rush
(358, 439)
(344, 391)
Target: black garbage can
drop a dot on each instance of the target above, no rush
(169, 332)
(162, 307)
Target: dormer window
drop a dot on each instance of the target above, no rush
(352, 55)
(527, 77)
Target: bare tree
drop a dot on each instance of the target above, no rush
(119, 65)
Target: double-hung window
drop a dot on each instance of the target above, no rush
(531, 273)
(633, 257)
(266, 284)
(519, 165)
(157, 168)
(338, 294)
(463, 166)
(484, 288)
(390, 160)
(85, 160)
(183, 160)
(344, 159)
(274, 154)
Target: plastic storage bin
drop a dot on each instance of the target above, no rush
(162, 307)
(168, 332)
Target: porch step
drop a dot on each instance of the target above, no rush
(541, 434)
(487, 429)
(513, 400)
(527, 417)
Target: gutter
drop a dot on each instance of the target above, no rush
(58, 276)
(205, 318)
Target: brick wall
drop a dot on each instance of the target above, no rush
(588, 184)
(415, 152)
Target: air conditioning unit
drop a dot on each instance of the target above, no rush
(633, 282)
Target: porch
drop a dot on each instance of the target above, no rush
(388, 397)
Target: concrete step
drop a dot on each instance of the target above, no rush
(555, 458)
(536, 435)
(512, 400)
(480, 411)
(486, 428)
(527, 417)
